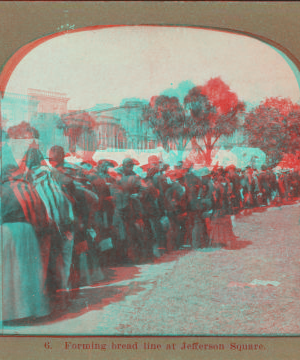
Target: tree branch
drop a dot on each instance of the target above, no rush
(196, 145)
(217, 138)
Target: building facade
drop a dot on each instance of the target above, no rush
(107, 127)
(49, 102)
(41, 109)
(16, 108)
(101, 127)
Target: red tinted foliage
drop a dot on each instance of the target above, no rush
(274, 127)
(22, 131)
(220, 96)
(209, 112)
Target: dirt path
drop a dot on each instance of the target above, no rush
(201, 292)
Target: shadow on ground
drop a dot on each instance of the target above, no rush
(79, 301)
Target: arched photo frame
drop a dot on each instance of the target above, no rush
(267, 14)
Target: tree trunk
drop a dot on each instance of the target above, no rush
(180, 149)
(165, 144)
(207, 156)
(180, 144)
(209, 148)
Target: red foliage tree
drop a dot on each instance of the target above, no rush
(169, 121)
(274, 127)
(215, 110)
(22, 131)
(208, 112)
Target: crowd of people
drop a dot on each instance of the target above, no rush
(63, 223)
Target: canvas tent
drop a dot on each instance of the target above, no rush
(118, 156)
(224, 158)
(247, 156)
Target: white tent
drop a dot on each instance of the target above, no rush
(8, 157)
(142, 156)
(73, 159)
(17, 148)
(117, 156)
(224, 158)
(172, 157)
(247, 156)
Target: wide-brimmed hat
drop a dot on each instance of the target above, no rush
(108, 162)
(88, 162)
(130, 161)
(152, 160)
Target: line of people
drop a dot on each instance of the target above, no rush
(63, 223)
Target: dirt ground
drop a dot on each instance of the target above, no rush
(252, 289)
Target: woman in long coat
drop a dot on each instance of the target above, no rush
(176, 206)
(22, 214)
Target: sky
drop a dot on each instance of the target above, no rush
(108, 65)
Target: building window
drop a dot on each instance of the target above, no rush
(116, 141)
(104, 138)
(152, 144)
(120, 140)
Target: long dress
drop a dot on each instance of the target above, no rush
(202, 202)
(221, 225)
(22, 266)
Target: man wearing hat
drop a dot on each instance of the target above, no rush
(153, 162)
(132, 212)
(155, 171)
(264, 185)
(62, 239)
(176, 209)
(127, 167)
(103, 188)
(119, 231)
(102, 169)
(101, 180)
(192, 185)
(235, 182)
(200, 204)
(153, 205)
(249, 188)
